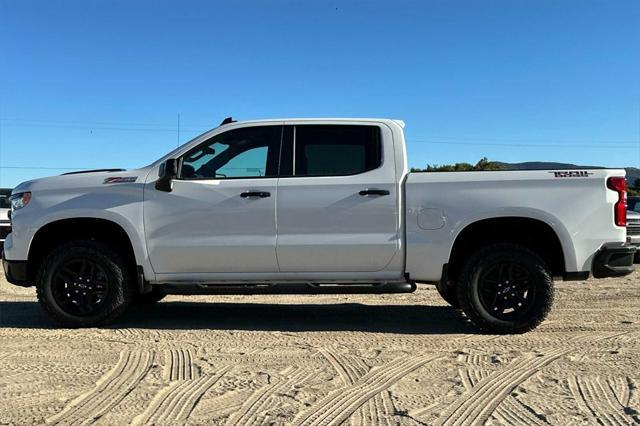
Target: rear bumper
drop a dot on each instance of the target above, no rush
(15, 271)
(614, 260)
(634, 240)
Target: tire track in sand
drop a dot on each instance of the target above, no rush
(475, 406)
(339, 405)
(179, 365)
(514, 412)
(377, 409)
(621, 387)
(598, 400)
(174, 404)
(252, 411)
(110, 389)
(341, 365)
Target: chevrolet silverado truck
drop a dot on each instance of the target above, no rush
(310, 206)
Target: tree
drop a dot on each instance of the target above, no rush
(635, 188)
(483, 165)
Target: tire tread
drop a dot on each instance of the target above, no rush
(109, 257)
(476, 261)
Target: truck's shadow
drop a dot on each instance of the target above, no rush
(402, 319)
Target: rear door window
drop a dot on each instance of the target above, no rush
(335, 150)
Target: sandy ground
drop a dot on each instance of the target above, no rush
(391, 359)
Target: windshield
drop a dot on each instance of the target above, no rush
(179, 149)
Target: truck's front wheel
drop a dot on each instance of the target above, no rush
(83, 284)
(505, 288)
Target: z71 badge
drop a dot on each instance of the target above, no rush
(572, 174)
(126, 179)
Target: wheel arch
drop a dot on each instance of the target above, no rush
(56, 232)
(534, 233)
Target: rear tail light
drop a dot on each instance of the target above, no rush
(619, 184)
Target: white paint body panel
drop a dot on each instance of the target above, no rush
(579, 210)
(206, 227)
(324, 225)
(318, 228)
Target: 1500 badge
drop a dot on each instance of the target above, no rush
(572, 174)
(125, 179)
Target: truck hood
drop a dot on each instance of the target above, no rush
(83, 179)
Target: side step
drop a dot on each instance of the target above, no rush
(289, 288)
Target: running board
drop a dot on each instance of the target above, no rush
(288, 288)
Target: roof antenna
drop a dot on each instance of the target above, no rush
(227, 120)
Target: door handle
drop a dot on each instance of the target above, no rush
(261, 194)
(380, 192)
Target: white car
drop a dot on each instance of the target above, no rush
(633, 231)
(5, 208)
(313, 206)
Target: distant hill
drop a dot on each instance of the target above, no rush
(633, 173)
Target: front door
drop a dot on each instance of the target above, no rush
(220, 215)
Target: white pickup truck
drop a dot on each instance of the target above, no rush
(313, 206)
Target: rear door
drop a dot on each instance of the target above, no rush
(337, 207)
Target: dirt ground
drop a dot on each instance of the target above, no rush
(312, 360)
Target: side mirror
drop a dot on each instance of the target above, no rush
(167, 173)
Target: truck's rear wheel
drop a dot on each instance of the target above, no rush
(505, 288)
(83, 284)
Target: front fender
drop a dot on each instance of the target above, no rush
(120, 204)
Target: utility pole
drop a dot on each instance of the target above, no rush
(178, 141)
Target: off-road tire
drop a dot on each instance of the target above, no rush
(448, 293)
(541, 280)
(121, 290)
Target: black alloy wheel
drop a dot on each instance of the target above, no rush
(506, 290)
(85, 283)
(80, 286)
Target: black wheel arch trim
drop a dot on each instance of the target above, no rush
(16, 272)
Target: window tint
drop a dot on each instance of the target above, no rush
(334, 150)
(240, 153)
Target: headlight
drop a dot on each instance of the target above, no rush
(20, 200)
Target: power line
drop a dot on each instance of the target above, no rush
(156, 127)
(107, 123)
(44, 168)
(89, 127)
